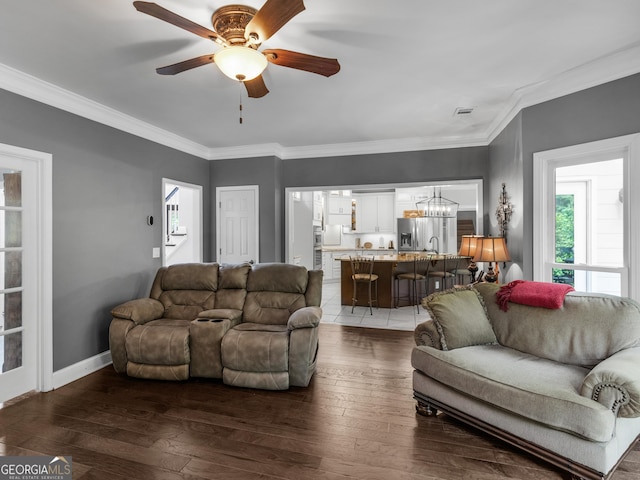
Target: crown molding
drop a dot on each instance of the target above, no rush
(607, 68)
(381, 146)
(246, 151)
(614, 66)
(31, 87)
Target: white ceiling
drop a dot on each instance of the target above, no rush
(406, 66)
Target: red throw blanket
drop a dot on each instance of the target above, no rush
(535, 294)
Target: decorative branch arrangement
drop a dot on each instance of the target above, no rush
(504, 211)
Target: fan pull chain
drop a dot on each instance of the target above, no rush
(240, 102)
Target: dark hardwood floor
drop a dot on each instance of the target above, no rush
(355, 421)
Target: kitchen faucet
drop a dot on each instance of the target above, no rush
(437, 244)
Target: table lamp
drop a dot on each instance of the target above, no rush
(492, 249)
(468, 247)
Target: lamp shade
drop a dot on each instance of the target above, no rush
(492, 249)
(240, 63)
(469, 245)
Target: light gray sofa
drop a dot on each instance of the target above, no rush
(251, 325)
(562, 384)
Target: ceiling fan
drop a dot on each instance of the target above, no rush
(240, 30)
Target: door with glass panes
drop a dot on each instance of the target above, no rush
(18, 272)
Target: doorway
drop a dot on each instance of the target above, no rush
(181, 222)
(26, 358)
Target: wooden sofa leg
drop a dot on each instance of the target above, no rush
(425, 410)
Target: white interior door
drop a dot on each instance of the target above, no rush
(19, 308)
(237, 224)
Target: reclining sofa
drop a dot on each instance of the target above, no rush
(562, 384)
(252, 326)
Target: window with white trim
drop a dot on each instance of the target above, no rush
(584, 230)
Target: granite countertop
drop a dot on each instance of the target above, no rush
(408, 257)
(352, 249)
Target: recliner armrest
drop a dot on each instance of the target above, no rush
(615, 383)
(427, 334)
(231, 314)
(139, 311)
(306, 317)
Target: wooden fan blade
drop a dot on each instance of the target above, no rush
(273, 15)
(303, 61)
(165, 15)
(186, 65)
(256, 88)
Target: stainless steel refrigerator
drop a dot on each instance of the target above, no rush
(427, 234)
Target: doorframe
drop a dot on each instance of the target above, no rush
(198, 189)
(44, 265)
(256, 202)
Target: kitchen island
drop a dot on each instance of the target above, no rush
(386, 267)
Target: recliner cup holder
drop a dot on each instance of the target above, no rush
(212, 320)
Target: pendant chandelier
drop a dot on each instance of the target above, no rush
(438, 206)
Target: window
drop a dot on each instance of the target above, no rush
(582, 216)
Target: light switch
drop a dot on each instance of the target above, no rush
(155, 252)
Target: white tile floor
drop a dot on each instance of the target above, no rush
(401, 318)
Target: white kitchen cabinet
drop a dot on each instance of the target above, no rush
(375, 213)
(339, 204)
(317, 208)
(327, 265)
(339, 210)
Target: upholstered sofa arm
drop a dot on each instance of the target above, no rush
(426, 334)
(615, 383)
(139, 311)
(306, 317)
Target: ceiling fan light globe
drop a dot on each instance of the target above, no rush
(240, 63)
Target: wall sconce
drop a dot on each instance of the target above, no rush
(504, 211)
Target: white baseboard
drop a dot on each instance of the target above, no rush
(78, 370)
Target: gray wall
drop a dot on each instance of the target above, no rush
(505, 154)
(266, 172)
(105, 183)
(405, 167)
(274, 175)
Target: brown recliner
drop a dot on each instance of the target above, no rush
(276, 344)
(176, 332)
(269, 312)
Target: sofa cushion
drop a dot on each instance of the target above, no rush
(586, 330)
(278, 277)
(233, 276)
(159, 343)
(231, 298)
(186, 304)
(191, 276)
(268, 346)
(271, 307)
(535, 388)
(460, 318)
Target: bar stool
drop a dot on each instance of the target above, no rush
(362, 272)
(420, 274)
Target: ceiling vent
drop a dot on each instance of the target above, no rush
(463, 111)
